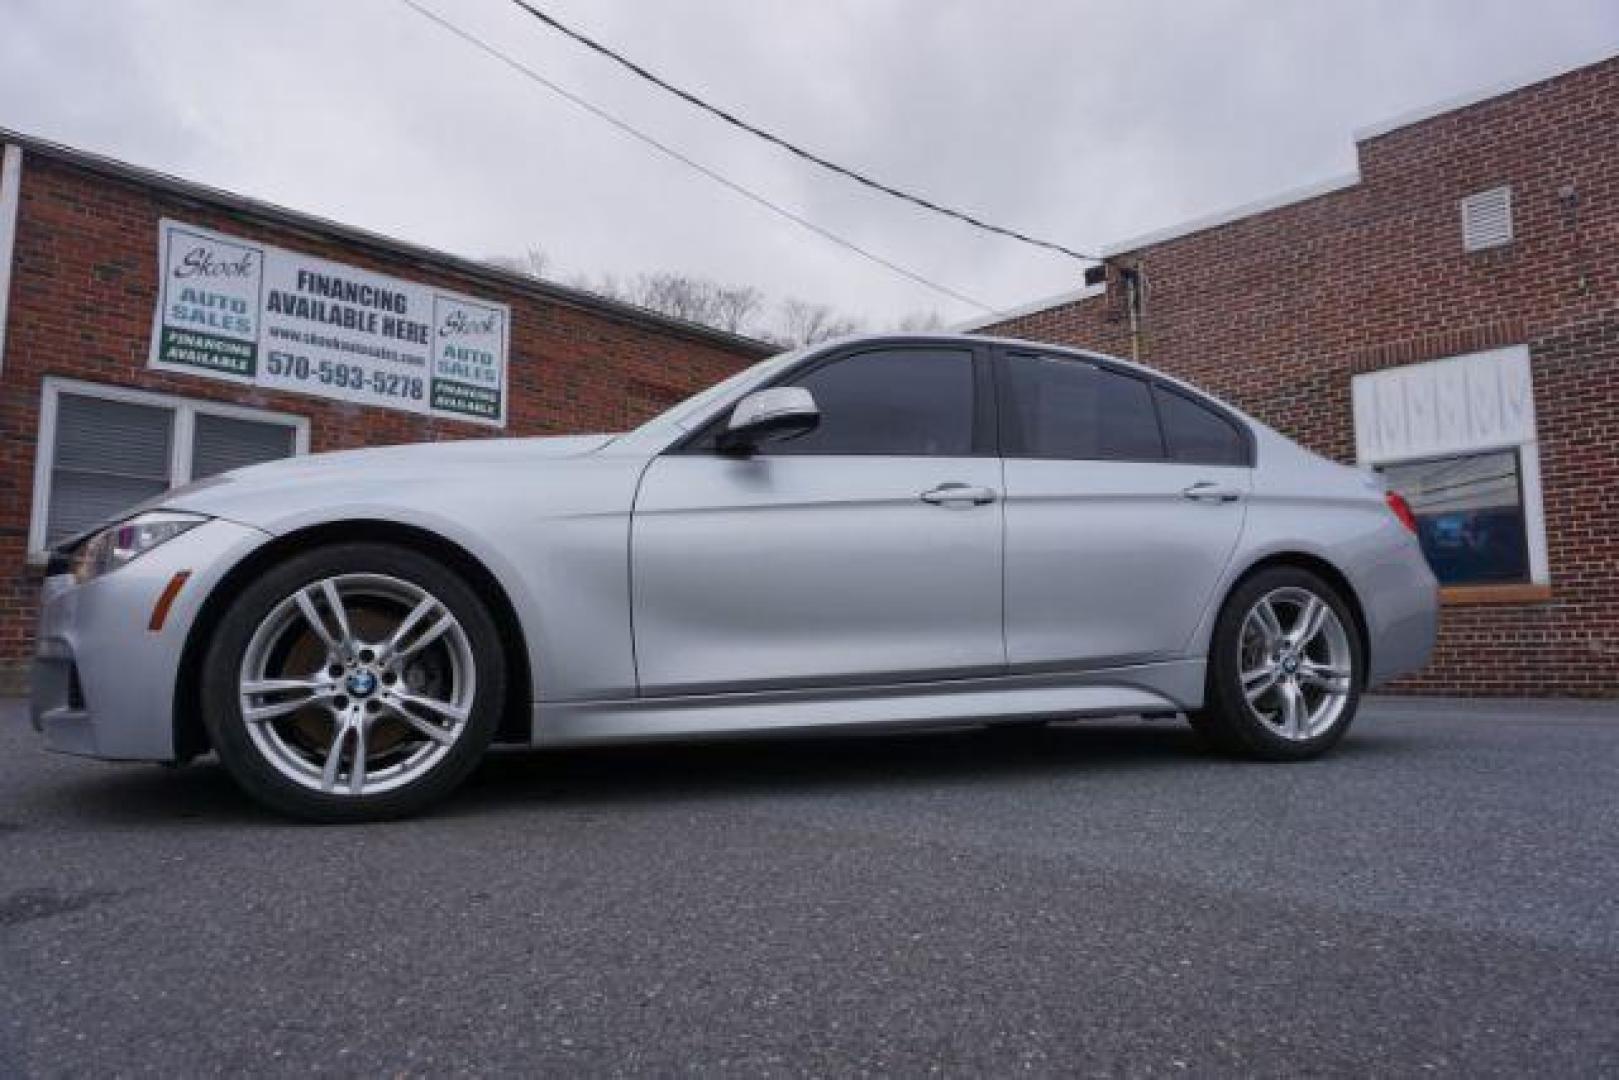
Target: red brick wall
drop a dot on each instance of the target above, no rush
(82, 295)
(1277, 312)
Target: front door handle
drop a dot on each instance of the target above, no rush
(959, 495)
(1209, 491)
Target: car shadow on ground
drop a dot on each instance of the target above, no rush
(681, 772)
(832, 763)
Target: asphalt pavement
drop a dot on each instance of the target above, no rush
(1440, 896)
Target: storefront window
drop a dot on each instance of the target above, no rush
(1470, 517)
(104, 449)
(107, 455)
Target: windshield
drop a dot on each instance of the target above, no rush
(686, 412)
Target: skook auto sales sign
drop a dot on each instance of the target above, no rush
(252, 313)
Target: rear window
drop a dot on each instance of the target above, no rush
(1197, 434)
(1070, 409)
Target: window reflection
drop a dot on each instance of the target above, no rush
(1469, 512)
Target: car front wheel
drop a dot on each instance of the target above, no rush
(1285, 668)
(353, 682)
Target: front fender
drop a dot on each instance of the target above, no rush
(555, 538)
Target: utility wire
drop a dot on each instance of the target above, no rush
(792, 148)
(664, 148)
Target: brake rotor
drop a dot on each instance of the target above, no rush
(313, 728)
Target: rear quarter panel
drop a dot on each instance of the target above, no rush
(1302, 504)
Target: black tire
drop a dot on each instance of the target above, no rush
(248, 764)
(1226, 722)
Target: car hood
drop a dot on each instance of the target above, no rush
(466, 453)
(386, 473)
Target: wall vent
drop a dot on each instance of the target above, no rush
(1487, 219)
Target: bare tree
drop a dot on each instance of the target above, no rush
(920, 322)
(737, 309)
(607, 285)
(682, 296)
(805, 323)
(698, 300)
(535, 262)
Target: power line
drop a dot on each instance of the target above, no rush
(792, 148)
(664, 148)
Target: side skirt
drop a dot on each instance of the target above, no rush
(1163, 687)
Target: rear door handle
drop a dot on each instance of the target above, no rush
(959, 495)
(1209, 491)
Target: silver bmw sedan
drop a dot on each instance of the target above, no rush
(893, 531)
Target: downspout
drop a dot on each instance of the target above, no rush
(1134, 283)
(10, 198)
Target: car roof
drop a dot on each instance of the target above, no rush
(953, 338)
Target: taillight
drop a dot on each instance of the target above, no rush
(1401, 509)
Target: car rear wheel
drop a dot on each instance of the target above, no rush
(353, 682)
(1285, 668)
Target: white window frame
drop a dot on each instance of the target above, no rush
(185, 410)
(1421, 437)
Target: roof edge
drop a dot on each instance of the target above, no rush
(1360, 135)
(1479, 96)
(1303, 193)
(978, 322)
(300, 221)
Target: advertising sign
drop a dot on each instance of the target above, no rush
(252, 313)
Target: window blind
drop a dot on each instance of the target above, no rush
(222, 443)
(108, 456)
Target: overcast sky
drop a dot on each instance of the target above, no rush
(1088, 122)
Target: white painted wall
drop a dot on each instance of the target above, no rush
(10, 196)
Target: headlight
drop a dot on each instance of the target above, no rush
(127, 541)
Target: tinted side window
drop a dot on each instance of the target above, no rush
(899, 402)
(1071, 409)
(1198, 434)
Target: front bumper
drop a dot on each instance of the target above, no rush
(103, 683)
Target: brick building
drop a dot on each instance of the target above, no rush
(88, 424)
(1449, 314)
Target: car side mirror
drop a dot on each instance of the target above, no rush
(766, 416)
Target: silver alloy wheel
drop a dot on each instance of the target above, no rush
(357, 684)
(1296, 663)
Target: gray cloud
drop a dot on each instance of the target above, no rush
(1088, 122)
